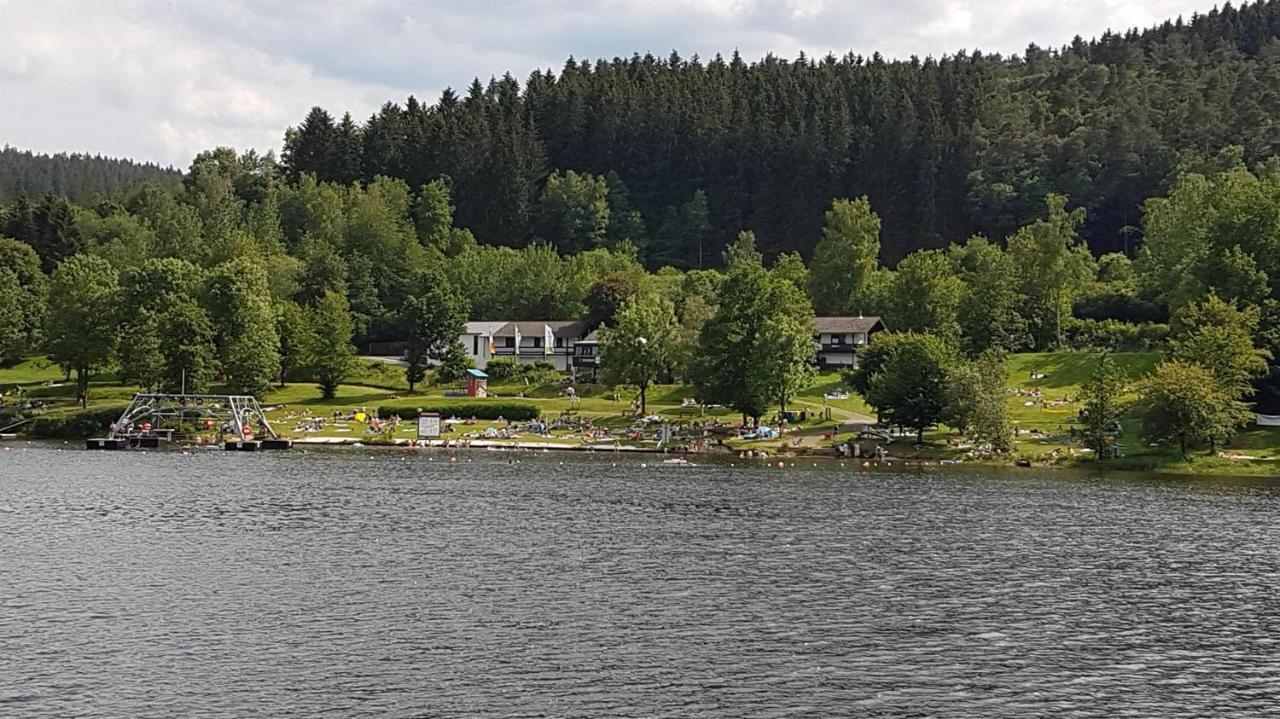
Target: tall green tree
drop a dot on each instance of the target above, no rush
(785, 352)
(13, 332)
(845, 258)
(925, 296)
(81, 325)
(790, 266)
(25, 292)
(757, 313)
(976, 402)
(239, 303)
(903, 375)
(573, 213)
(1186, 404)
(1219, 337)
(641, 344)
(431, 322)
(140, 355)
(57, 235)
(294, 330)
(433, 213)
(187, 346)
(1103, 406)
(990, 313)
(331, 358)
(1055, 266)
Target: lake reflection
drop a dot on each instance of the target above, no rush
(384, 584)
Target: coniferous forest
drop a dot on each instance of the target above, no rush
(78, 177)
(943, 148)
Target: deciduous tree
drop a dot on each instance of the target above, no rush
(640, 345)
(845, 258)
(1186, 404)
(1103, 408)
(331, 357)
(903, 375)
(81, 326)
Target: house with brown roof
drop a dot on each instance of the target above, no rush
(839, 338)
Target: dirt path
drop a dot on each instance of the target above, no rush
(846, 417)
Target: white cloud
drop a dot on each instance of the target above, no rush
(161, 80)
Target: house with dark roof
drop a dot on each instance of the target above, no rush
(839, 338)
(539, 341)
(586, 354)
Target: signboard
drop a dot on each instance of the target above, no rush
(428, 425)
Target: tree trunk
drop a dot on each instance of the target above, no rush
(644, 387)
(1182, 443)
(82, 387)
(919, 435)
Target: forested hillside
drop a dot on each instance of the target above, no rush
(250, 270)
(686, 152)
(79, 177)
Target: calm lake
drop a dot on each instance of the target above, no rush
(376, 583)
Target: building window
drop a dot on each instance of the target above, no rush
(537, 341)
(559, 342)
(508, 341)
(475, 344)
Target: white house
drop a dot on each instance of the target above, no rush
(527, 342)
(838, 338)
(476, 339)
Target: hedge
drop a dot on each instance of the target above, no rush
(73, 425)
(1114, 335)
(463, 409)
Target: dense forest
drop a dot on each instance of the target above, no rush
(1091, 198)
(943, 148)
(79, 177)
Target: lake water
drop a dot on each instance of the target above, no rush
(365, 583)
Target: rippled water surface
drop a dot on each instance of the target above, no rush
(354, 584)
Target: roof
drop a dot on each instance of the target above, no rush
(593, 337)
(840, 325)
(559, 328)
(477, 373)
(482, 328)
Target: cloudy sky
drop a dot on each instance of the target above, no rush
(162, 79)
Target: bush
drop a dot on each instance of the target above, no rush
(75, 425)
(507, 369)
(501, 368)
(1122, 308)
(1114, 335)
(454, 366)
(464, 408)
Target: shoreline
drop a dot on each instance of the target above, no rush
(1245, 469)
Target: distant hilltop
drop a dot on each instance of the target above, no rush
(80, 177)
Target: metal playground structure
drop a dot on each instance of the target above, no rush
(240, 416)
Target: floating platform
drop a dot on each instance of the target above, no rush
(242, 445)
(276, 444)
(106, 444)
